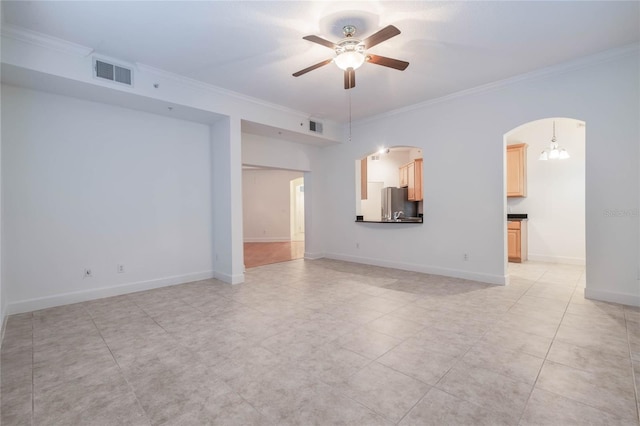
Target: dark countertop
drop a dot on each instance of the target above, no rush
(418, 219)
(517, 216)
(389, 221)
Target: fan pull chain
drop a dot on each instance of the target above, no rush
(349, 116)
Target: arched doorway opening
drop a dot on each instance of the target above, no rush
(554, 200)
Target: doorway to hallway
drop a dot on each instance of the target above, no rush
(273, 216)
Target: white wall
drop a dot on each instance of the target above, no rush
(386, 169)
(555, 191)
(227, 200)
(93, 185)
(266, 204)
(462, 138)
(3, 302)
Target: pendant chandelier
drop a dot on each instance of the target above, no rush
(554, 152)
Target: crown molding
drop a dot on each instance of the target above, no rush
(587, 61)
(43, 40)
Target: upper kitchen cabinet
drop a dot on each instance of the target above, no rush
(404, 176)
(414, 176)
(517, 170)
(411, 177)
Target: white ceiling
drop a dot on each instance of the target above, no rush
(254, 47)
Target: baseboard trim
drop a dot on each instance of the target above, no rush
(3, 316)
(313, 256)
(35, 304)
(229, 278)
(557, 259)
(610, 296)
(267, 240)
(425, 269)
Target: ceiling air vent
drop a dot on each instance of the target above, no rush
(112, 72)
(315, 126)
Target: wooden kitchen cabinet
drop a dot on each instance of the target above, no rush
(517, 170)
(517, 240)
(363, 179)
(411, 182)
(414, 172)
(404, 176)
(411, 177)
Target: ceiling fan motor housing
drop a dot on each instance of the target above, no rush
(351, 53)
(349, 45)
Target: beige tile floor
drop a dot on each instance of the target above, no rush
(327, 342)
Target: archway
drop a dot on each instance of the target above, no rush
(555, 191)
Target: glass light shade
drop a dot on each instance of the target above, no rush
(349, 59)
(554, 152)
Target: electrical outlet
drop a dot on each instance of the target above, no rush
(88, 273)
(120, 268)
(465, 257)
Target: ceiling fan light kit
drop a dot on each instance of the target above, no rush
(351, 53)
(351, 59)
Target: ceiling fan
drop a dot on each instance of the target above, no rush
(351, 53)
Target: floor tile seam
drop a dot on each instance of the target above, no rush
(362, 404)
(595, 315)
(374, 410)
(430, 387)
(244, 399)
(124, 376)
(33, 396)
(614, 414)
(613, 335)
(584, 370)
(546, 356)
(150, 317)
(633, 373)
(544, 298)
(476, 404)
(459, 359)
(515, 379)
(358, 369)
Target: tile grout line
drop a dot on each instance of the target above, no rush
(549, 350)
(484, 334)
(118, 364)
(535, 382)
(195, 354)
(586, 370)
(33, 387)
(456, 363)
(633, 370)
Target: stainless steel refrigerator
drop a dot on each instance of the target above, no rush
(396, 200)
